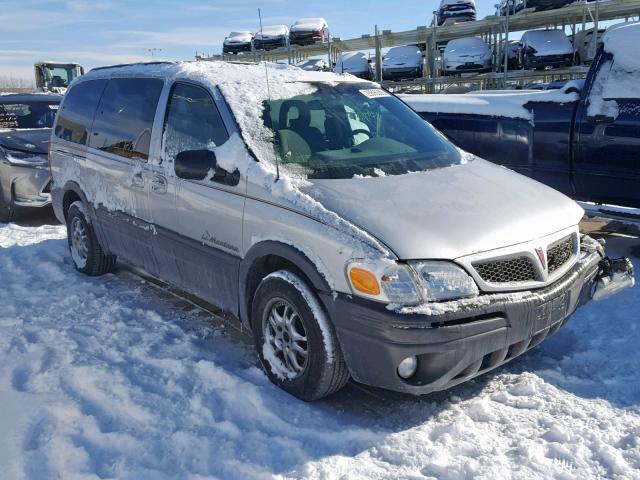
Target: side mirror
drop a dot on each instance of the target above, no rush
(195, 164)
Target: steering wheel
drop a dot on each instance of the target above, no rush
(361, 130)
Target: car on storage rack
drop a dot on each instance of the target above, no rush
(545, 48)
(541, 5)
(355, 63)
(586, 45)
(510, 6)
(581, 139)
(271, 37)
(307, 31)
(237, 42)
(456, 11)
(467, 55)
(275, 207)
(25, 128)
(403, 63)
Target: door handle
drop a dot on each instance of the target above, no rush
(159, 184)
(137, 180)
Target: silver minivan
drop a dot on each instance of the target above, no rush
(324, 214)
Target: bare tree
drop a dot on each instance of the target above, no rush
(11, 83)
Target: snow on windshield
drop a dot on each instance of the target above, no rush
(548, 42)
(466, 44)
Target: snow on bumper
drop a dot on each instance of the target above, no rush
(453, 345)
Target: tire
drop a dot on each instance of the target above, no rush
(86, 252)
(283, 300)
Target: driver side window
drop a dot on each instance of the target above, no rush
(192, 122)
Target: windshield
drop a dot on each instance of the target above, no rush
(28, 114)
(350, 129)
(59, 76)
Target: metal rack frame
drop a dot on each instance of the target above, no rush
(493, 29)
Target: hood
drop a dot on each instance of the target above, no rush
(270, 32)
(552, 42)
(449, 212)
(402, 57)
(308, 26)
(32, 140)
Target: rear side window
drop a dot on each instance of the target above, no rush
(76, 115)
(125, 116)
(193, 121)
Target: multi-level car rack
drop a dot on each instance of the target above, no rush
(494, 30)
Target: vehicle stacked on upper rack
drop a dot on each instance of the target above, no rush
(271, 37)
(455, 11)
(516, 6)
(467, 55)
(403, 63)
(545, 48)
(307, 31)
(237, 42)
(355, 63)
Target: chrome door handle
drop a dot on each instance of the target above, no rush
(137, 180)
(159, 184)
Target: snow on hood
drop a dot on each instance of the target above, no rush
(272, 31)
(305, 24)
(408, 55)
(450, 212)
(548, 42)
(352, 62)
(466, 47)
(509, 104)
(238, 37)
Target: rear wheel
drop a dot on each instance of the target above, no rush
(86, 252)
(296, 344)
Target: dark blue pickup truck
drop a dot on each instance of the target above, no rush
(583, 139)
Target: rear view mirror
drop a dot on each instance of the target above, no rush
(195, 164)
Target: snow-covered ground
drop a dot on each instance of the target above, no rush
(114, 378)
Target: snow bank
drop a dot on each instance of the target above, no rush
(110, 378)
(509, 104)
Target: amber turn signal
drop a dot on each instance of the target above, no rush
(364, 281)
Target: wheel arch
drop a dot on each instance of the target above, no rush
(73, 193)
(270, 256)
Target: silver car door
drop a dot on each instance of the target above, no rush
(207, 238)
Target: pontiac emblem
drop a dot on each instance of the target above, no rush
(542, 257)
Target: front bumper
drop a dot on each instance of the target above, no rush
(456, 341)
(236, 47)
(401, 73)
(25, 186)
(551, 61)
(304, 38)
(270, 43)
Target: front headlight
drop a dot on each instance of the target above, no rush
(410, 284)
(444, 281)
(24, 159)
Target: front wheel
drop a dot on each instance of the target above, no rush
(296, 343)
(86, 252)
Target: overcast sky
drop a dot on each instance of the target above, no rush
(101, 32)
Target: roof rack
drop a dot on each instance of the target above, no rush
(132, 64)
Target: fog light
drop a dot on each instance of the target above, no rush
(408, 367)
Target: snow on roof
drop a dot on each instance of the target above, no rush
(406, 50)
(304, 21)
(506, 104)
(467, 43)
(457, 2)
(622, 40)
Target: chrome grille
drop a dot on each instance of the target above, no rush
(511, 270)
(560, 253)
